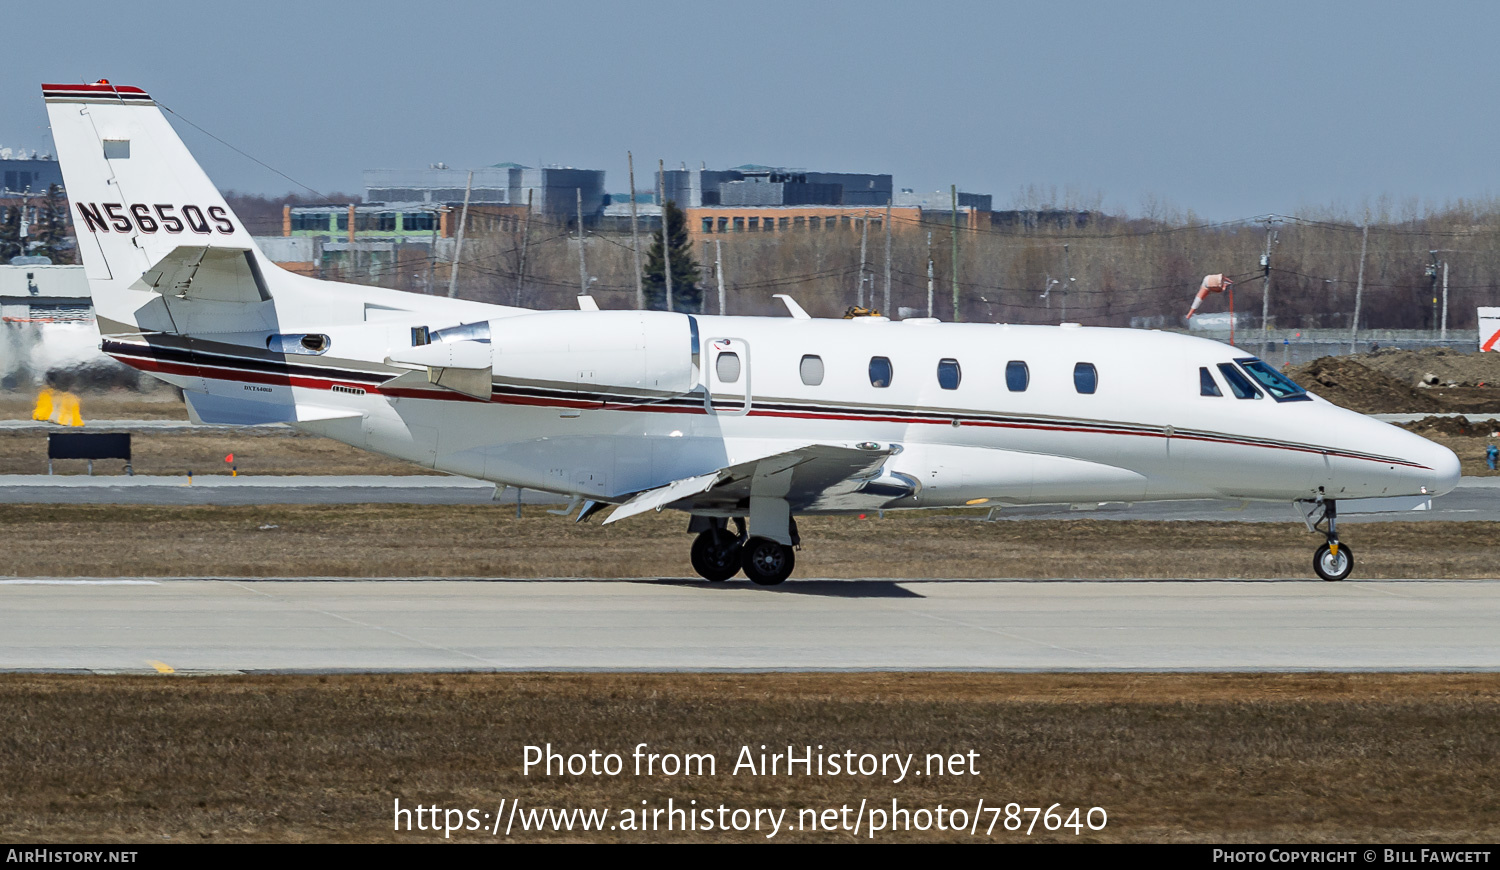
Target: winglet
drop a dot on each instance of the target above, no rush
(587, 303)
(792, 307)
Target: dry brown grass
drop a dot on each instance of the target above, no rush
(156, 403)
(1227, 758)
(488, 541)
(256, 451)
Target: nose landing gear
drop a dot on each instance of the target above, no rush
(1334, 560)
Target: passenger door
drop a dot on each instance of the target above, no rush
(726, 377)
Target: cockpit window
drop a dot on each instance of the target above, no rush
(1238, 383)
(1206, 384)
(1281, 387)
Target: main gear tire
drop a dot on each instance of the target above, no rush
(716, 555)
(766, 562)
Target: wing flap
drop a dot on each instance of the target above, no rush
(803, 476)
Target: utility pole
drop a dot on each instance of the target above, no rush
(886, 303)
(583, 269)
(1067, 282)
(432, 256)
(666, 236)
(635, 238)
(864, 241)
(719, 270)
(953, 189)
(929, 274)
(1265, 289)
(525, 242)
(458, 247)
(1359, 286)
(1432, 279)
(1443, 336)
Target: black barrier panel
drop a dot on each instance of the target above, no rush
(88, 445)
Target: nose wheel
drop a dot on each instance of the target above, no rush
(1334, 560)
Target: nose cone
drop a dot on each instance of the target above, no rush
(1444, 465)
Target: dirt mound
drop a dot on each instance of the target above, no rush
(1347, 383)
(1449, 366)
(1455, 426)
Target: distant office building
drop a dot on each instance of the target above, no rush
(710, 221)
(553, 190)
(941, 201)
(756, 185)
(20, 173)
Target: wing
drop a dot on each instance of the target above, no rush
(811, 477)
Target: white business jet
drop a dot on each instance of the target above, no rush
(746, 422)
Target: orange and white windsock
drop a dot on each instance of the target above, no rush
(1211, 284)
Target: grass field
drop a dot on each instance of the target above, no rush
(1232, 758)
(488, 541)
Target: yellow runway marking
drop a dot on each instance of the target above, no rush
(161, 667)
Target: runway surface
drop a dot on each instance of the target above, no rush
(221, 489)
(190, 626)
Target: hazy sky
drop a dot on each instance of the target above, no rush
(1228, 109)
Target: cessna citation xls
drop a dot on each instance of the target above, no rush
(738, 421)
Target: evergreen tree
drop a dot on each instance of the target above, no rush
(686, 294)
(10, 234)
(51, 229)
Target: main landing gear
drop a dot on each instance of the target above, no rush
(719, 553)
(1333, 560)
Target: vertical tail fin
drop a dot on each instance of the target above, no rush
(137, 196)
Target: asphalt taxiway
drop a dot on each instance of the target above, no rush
(236, 625)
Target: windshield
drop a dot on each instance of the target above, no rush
(1281, 387)
(1238, 383)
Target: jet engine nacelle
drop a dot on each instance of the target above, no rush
(633, 352)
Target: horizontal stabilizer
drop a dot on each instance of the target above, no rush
(214, 274)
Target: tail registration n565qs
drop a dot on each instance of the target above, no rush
(744, 423)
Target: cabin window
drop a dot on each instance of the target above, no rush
(949, 374)
(1281, 387)
(880, 371)
(1207, 386)
(1017, 376)
(728, 367)
(1085, 378)
(811, 370)
(1238, 383)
